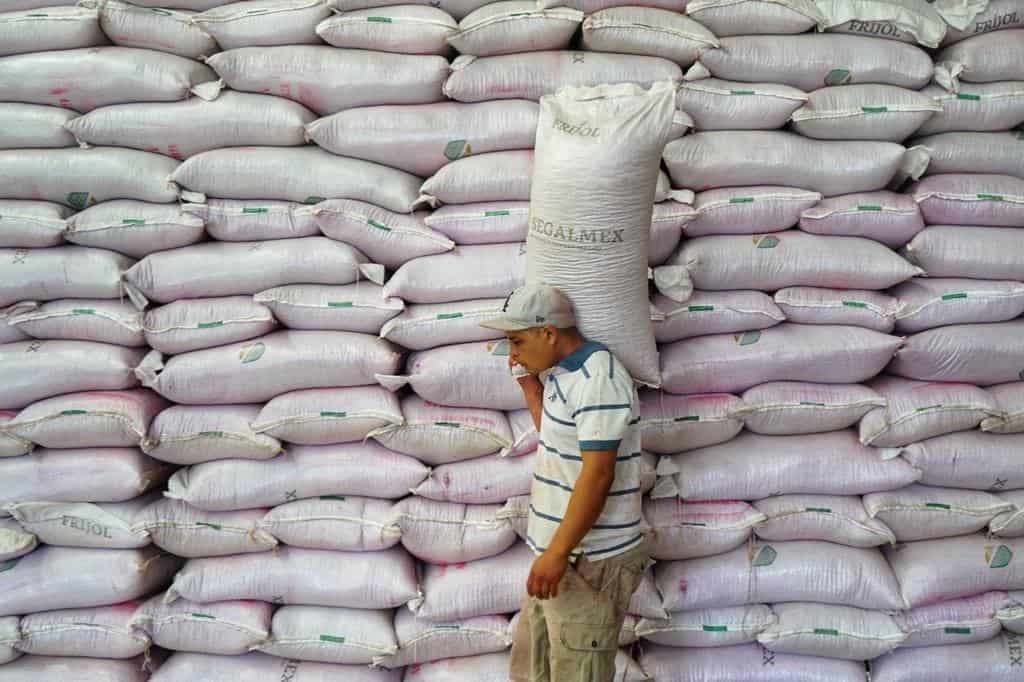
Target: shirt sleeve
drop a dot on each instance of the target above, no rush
(604, 407)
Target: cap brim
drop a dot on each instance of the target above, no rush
(504, 324)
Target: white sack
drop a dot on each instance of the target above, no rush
(101, 525)
(974, 353)
(813, 61)
(15, 541)
(32, 223)
(969, 252)
(744, 662)
(646, 31)
(748, 210)
(452, 533)
(531, 75)
(887, 217)
(386, 237)
(487, 586)
(864, 112)
(1010, 401)
(781, 572)
(831, 631)
(497, 176)
(714, 627)
(196, 323)
(909, 21)
(968, 199)
(686, 530)
(435, 434)
(440, 375)
(82, 177)
(305, 471)
(105, 321)
(717, 104)
(1010, 523)
(788, 352)
(428, 325)
(748, 17)
(832, 518)
(337, 522)
(920, 512)
(329, 79)
(484, 480)
(996, 56)
(420, 641)
(33, 370)
(321, 416)
(676, 423)
(258, 370)
(525, 438)
(590, 230)
(714, 312)
(184, 129)
(134, 228)
(510, 26)
(89, 419)
(994, 660)
(855, 307)
(34, 126)
(421, 139)
(916, 410)
(264, 22)
(668, 220)
(751, 467)
(989, 153)
(971, 459)
(977, 107)
(780, 408)
(229, 628)
(168, 30)
(60, 272)
(408, 29)
(74, 669)
(359, 307)
(58, 28)
(465, 272)
(11, 445)
(492, 222)
(956, 621)
(9, 636)
(66, 578)
(103, 632)
(228, 220)
(773, 157)
(373, 580)
(330, 635)
(1011, 613)
(86, 78)
(999, 14)
(189, 532)
(256, 667)
(187, 434)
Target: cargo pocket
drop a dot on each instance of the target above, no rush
(587, 653)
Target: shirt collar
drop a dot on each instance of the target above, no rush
(574, 360)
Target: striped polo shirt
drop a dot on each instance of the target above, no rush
(590, 403)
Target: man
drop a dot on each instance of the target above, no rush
(585, 520)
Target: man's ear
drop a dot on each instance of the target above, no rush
(550, 334)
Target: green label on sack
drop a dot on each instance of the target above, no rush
(957, 631)
(79, 199)
(379, 226)
(449, 316)
(332, 638)
(339, 304)
(741, 200)
(928, 407)
(855, 304)
(379, 20)
(9, 564)
(826, 631)
(874, 110)
(451, 425)
(211, 434)
(820, 510)
(215, 526)
(1001, 557)
(837, 77)
(766, 556)
(494, 214)
(70, 412)
(700, 308)
(937, 505)
(336, 498)
(255, 209)
(950, 297)
(968, 96)
(328, 413)
(869, 207)
(688, 418)
(811, 404)
(210, 325)
(715, 628)
(133, 221)
(747, 338)
(252, 353)
(766, 242)
(160, 11)
(456, 149)
(313, 200)
(203, 615)
(741, 92)
(991, 197)
(83, 311)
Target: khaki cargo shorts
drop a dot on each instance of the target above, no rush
(574, 637)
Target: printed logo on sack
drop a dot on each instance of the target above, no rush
(1014, 650)
(767, 241)
(999, 556)
(996, 22)
(747, 338)
(80, 200)
(765, 556)
(838, 77)
(556, 232)
(875, 28)
(578, 129)
(456, 149)
(251, 353)
(498, 348)
(291, 668)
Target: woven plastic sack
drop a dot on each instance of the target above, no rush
(977, 107)
(15, 541)
(130, 25)
(189, 532)
(531, 75)
(714, 627)
(780, 408)
(9, 635)
(100, 632)
(971, 459)
(134, 228)
(748, 210)
(1009, 523)
(1010, 401)
(60, 272)
(478, 588)
(646, 31)
(373, 580)
(452, 533)
(90, 419)
(917, 410)
(228, 220)
(829, 354)
(8, 333)
(999, 14)
(714, 312)
(74, 669)
(264, 22)
(329, 79)
(58, 28)
(996, 56)
(717, 104)
(715, 159)
(968, 252)
(185, 434)
(187, 5)
(258, 370)
(936, 570)
(749, 17)
(744, 662)
(86, 78)
(676, 423)
(864, 112)
(34, 126)
(116, 322)
(909, 21)
(781, 572)
(492, 222)
(831, 518)
(33, 370)
(420, 641)
(360, 307)
(306, 471)
(65, 578)
(31, 224)
(196, 323)
(303, 174)
(336, 522)
(386, 237)
(859, 308)
(989, 153)
(920, 512)
(990, 661)
(184, 129)
(438, 375)
(957, 621)
(422, 139)
(257, 667)
(330, 635)
(408, 29)
(11, 445)
(887, 217)
(686, 530)
(437, 435)
(968, 199)
(484, 480)
(466, 272)
(977, 354)
(428, 325)
(321, 416)
(831, 631)
(229, 628)
(1011, 613)
(515, 26)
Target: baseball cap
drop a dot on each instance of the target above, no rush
(533, 305)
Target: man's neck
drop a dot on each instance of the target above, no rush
(568, 343)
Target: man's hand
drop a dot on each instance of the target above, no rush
(546, 572)
(533, 390)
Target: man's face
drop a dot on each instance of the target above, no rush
(534, 349)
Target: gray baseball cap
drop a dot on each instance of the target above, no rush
(534, 305)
